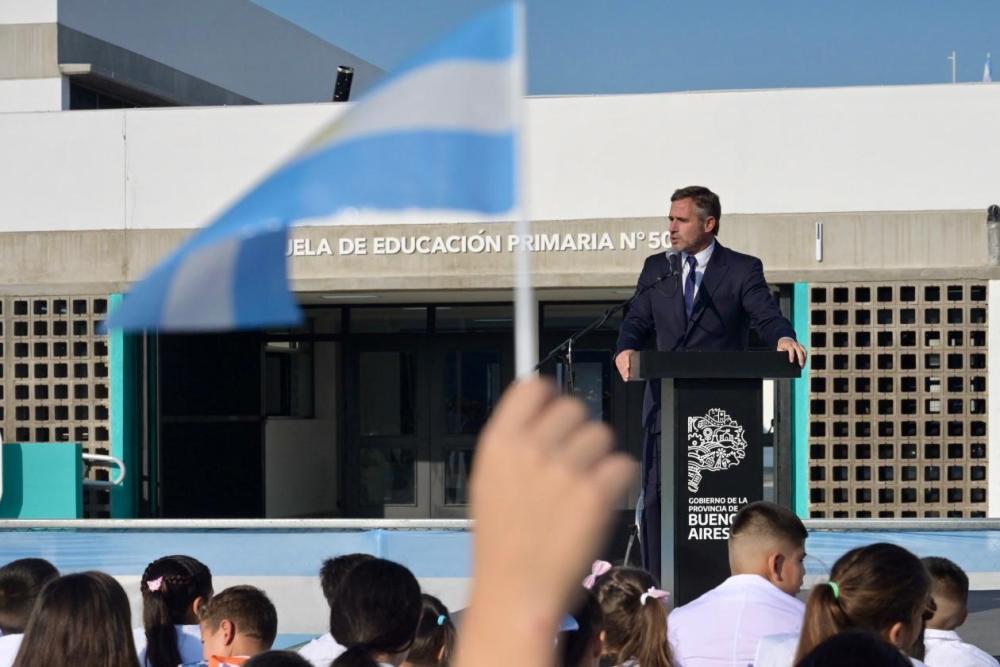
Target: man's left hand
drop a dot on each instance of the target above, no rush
(796, 353)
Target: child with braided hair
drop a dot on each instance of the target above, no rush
(173, 590)
(635, 617)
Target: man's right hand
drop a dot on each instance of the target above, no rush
(624, 363)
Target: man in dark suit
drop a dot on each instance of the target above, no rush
(712, 305)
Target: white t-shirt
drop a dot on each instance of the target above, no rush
(322, 651)
(188, 643)
(9, 644)
(722, 627)
(944, 648)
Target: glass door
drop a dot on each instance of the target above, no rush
(469, 374)
(386, 471)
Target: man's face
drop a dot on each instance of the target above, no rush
(688, 232)
(794, 569)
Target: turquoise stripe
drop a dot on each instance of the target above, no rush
(800, 407)
(124, 443)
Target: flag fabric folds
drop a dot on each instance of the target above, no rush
(440, 133)
(987, 71)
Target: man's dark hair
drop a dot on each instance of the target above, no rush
(764, 519)
(948, 578)
(20, 583)
(706, 201)
(333, 571)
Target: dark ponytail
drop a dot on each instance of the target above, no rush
(377, 612)
(435, 641)
(635, 626)
(169, 586)
(872, 588)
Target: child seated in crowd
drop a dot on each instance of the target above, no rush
(635, 618)
(856, 648)
(942, 645)
(20, 583)
(723, 626)
(881, 588)
(277, 659)
(236, 625)
(79, 619)
(324, 649)
(582, 647)
(174, 588)
(435, 640)
(376, 615)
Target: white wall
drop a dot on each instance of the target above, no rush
(62, 171)
(31, 95)
(234, 44)
(28, 11)
(804, 150)
(904, 148)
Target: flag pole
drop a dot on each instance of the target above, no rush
(954, 66)
(525, 304)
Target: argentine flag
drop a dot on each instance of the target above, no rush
(439, 134)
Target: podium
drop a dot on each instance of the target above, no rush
(711, 456)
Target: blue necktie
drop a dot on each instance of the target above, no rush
(689, 285)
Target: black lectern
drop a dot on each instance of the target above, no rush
(711, 456)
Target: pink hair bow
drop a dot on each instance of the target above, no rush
(654, 593)
(155, 584)
(597, 569)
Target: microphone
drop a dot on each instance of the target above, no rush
(674, 260)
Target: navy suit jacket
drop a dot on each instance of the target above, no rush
(733, 297)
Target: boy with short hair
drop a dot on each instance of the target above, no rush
(723, 626)
(950, 590)
(236, 625)
(324, 649)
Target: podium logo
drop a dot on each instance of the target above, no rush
(715, 442)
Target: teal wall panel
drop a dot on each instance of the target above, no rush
(42, 481)
(800, 406)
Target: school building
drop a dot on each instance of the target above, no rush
(868, 206)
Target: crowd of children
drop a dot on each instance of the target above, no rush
(881, 606)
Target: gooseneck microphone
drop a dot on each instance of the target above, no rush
(565, 348)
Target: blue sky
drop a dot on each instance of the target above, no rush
(630, 46)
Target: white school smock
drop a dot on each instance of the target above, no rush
(722, 627)
(779, 651)
(9, 644)
(944, 648)
(188, 643)
(322, 651)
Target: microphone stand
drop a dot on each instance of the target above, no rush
(567, 345)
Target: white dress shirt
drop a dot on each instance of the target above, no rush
(188, 643)
(944, 648)
(701, 263)
(9, 644)
(322, 651)
(722, 627)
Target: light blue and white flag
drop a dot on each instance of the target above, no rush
(987, 71)
(441, 133)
